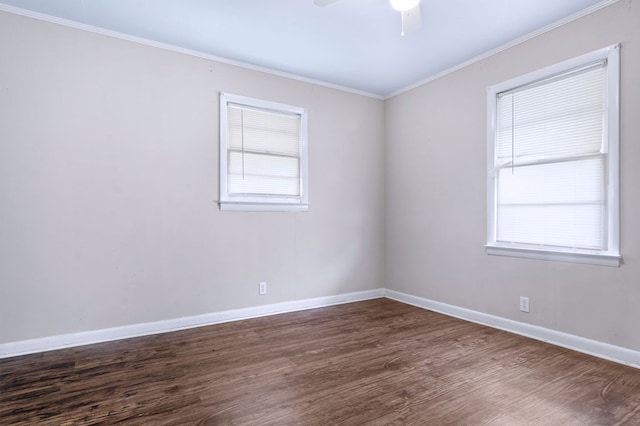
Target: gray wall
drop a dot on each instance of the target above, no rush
(435, 194)
(109, 176)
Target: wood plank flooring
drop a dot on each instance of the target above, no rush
(377, 362)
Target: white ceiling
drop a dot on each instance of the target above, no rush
(355, 44)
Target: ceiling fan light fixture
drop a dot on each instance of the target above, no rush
(404, 5)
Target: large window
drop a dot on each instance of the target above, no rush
(263, 155)
(553, 162)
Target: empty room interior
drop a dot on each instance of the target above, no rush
(411, 247)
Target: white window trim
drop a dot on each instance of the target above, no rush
(612, 256)
(234, 202)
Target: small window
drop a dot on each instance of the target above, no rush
(553, 162)
(263, 155)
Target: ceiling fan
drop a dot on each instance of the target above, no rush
(409, 12)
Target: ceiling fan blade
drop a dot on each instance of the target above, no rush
(411, 19)
(323, 2)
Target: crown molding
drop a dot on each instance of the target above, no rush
(492, 52)
(177, 49)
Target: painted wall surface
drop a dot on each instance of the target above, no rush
(436, 194)
(109, 182)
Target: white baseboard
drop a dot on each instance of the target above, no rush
(592, 347)
(25, 347)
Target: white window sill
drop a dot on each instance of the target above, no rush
(263, 207)
(604, 259)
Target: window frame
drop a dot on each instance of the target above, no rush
(255, 202)
(609, 257)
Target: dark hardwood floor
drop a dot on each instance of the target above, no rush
(377, 362)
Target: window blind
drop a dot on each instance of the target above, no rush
(550, 161)
(263, 152)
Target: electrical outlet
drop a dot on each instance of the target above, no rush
(524, 304)
(262, 288)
